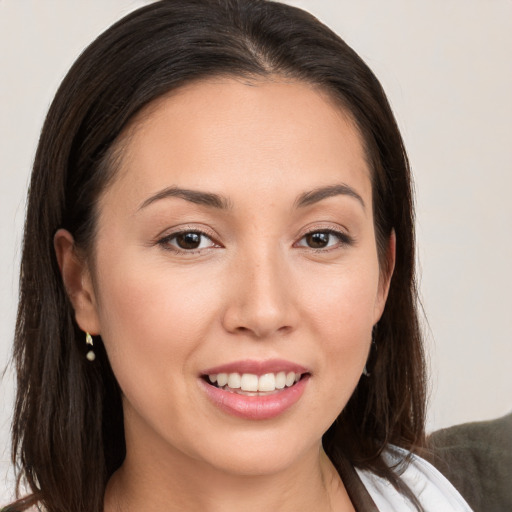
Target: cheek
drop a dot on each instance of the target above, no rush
(152, 320)
(147, 293)
(341, 316)
(343, 300)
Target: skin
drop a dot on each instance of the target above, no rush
(254, 289)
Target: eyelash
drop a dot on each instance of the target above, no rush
(344, 240)
(165, 242)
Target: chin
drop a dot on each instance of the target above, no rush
(266, 452)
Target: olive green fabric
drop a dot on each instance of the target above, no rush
(477, 459)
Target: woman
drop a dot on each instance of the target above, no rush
(218, 307)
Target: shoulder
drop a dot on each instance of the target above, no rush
(484, 438)
(477, 459)
(431, 488)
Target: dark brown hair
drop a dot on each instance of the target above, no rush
(68, 426)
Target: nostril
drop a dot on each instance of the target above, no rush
(263, 331)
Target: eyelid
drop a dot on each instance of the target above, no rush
(164, 239)
(323, 226)
(344, 237)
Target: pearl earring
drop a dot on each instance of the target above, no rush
(91, 356)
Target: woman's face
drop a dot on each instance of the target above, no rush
(236, 241)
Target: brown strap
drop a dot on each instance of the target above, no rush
(357, 492)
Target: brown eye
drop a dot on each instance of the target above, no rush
(188, 240)
(318, 240)
(324, 239)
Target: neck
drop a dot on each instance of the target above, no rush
(178, 483)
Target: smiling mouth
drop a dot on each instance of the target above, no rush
(250, 384)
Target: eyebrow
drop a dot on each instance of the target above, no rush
(318, 194)
(223, 203)
(194, 196)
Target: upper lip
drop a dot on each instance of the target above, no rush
(257, 367)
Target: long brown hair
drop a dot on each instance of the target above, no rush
(68, 425)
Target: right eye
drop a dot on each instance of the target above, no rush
(187, 242)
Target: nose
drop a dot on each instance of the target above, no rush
(262, 301)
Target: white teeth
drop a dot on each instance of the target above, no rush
(249, 382)
(267, 382)
(280, 380)
(222, 379)
(253, 383)
(234, 380)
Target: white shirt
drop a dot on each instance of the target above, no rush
(433, 490)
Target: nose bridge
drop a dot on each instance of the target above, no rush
(261, 304)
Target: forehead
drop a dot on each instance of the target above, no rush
(225, 133)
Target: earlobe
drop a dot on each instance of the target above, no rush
(77, 281)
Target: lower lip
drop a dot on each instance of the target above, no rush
(261, 407)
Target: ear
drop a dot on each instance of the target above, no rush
(77, 282)
(386, 274)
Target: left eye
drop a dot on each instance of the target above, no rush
(321, 239)
(188, 241)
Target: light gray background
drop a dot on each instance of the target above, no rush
(446, 66)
